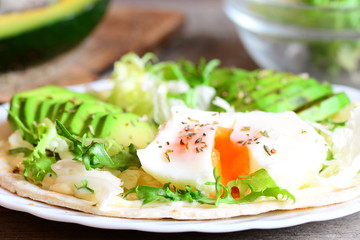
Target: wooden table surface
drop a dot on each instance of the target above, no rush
(206, 33)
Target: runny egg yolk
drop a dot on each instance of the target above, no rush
(230, 158)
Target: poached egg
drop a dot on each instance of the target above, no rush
(193, 142)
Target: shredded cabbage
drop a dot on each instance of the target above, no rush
(145, 86)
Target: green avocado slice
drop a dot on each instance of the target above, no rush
(65, 111)
(92, 124)
(28, 110)
(17, 103)
(324, 108)
(270, 84)
(35, 105)
(284, 92)
(50, 106)
(126, 128)
(16, 100)
(292, 103)
(85, 110)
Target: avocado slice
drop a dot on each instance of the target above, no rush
(287, 90)
(324, 108)
(294, 102)
(85, 110)
(17, 98)
(44, 109)
(65, 110)
(91, 125)
(126, 128)
(17, 101)
(36, 105)
(282, 87)
(36, 35)
(269, 84)
(50, 107)
(43, 93)
(28, 110)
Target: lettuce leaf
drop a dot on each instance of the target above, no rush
(38, 163)
(95, 155)
(168, 194)
(250, 188)
(145, 86)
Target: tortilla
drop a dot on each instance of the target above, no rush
(312, 197)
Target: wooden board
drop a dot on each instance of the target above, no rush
(121, 31)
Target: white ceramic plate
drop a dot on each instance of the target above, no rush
(278, 219)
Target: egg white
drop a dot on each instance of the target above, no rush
(294, 150)
(164, 161)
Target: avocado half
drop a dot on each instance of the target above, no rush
(32, 36)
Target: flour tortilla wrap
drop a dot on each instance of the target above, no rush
(311, 197)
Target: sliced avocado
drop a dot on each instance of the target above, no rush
(71, 108)
(43, 93)
(287, 90)
(126, 128)
(283, 87)
(28, 109)
(298, 100)
(320, 110)
(269, 84)
(44, 108)
(85, 110)
(91, 125)
(64, 110)
(54, 109)
(17, 99)
(61, 95)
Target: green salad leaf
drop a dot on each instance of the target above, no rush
(169, 193)
(145, 86)
(250, 188)
(38, 163)
(95, 155)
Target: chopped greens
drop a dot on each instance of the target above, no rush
(169, 193)
(37, 167)
(250, 188)
(95, 156)
(38, 163)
